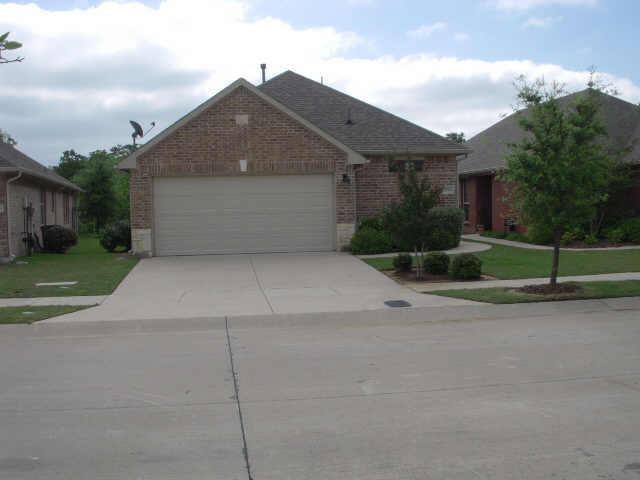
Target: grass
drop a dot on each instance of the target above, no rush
(509, 263)
(14, 315)
(96, 271)
(590, 290)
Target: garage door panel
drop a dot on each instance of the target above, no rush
(201, 215)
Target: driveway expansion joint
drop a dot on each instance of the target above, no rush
(236, 390)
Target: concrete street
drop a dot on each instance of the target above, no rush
(504, 392)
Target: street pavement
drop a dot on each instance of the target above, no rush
(535, 392)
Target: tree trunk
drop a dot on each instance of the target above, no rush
(557, 236)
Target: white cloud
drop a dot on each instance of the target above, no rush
(461, 36)
(88, 71)
(424, 31)
(522, 5)
(541, 22)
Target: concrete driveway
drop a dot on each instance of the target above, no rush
(512, 392)
(221, 285)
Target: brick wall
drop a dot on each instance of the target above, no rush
(376, 186)
(240, 126)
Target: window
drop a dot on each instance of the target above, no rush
(397, 165)
(65, 207)
(465, 198)
(43, 206)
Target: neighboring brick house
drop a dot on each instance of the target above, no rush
(487, 200)
(291, 165)
(31, 195)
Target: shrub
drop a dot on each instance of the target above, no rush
(493, 234)
(615, 235)
(591, 239)
(540, 234)
(631, 230)
(436, 263)
(368, 241)
(117, 235)
(444, 228)
(375, 223)
(58, 239)
(466, 266)
(516, 237)
(403, 262)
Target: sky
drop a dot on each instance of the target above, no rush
(91, 66)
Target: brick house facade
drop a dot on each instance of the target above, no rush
(243, 124)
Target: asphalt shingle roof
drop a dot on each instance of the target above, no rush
(491, 146)
(12, 158)
(372, 131)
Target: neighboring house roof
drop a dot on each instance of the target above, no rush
(371, 130)
(491, 146)
(325, 112)
(13, 160)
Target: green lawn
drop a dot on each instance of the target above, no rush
(509, 263)
(13, 315)
(625, 288)
(96, 271)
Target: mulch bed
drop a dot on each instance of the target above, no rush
(546, 289)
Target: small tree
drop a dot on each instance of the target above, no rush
(6, 44)
(6, 138)
(71, 163)
(456, 137)
(97, 202)
(560, 170)
(406, 221)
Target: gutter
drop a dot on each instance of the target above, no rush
(39, 175)
(11, 180)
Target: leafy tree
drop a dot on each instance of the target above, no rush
(6, 44)
(71, 163)
(7, 138)
(560, 170)
(456, 137)
(406, 221)
(97, 201)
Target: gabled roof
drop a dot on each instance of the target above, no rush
(491, 146)
(372, 131)
(13, 160)
(130, 162)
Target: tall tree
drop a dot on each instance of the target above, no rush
(70, 164)
(457, 137)
(6, 138)
(6, 44)
(97, 201)
(560, 170)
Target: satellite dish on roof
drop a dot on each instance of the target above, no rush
(137, 130)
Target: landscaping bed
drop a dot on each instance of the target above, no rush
(16, 315)
(96, 272)
(573, 291)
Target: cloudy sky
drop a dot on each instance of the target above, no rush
(90, 66)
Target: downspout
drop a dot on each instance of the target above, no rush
(11, 180)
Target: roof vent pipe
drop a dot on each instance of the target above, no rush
(263, 67)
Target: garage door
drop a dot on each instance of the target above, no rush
(206, 215)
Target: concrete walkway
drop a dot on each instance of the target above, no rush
(530, 246)
(435, 286)
(48, 301)
(464, 247)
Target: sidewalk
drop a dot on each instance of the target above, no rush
(530, 246)
(48, 301)
(435, 286)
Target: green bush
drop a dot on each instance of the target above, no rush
(58, 239)
(615, 235)
(493, 234)
(436, 263)
(540, 234)
(403, 262)
(591, 239)
(516, 237)
(375, 223)
(466, 266)
(116, 235)
(367, 241)
(631, 230)
(444, 228)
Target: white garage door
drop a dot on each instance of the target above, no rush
(250, 214)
